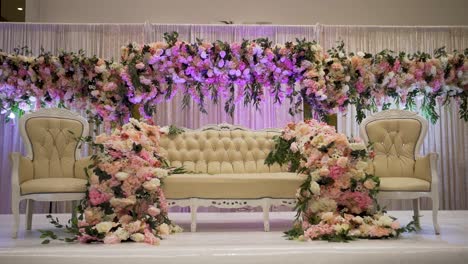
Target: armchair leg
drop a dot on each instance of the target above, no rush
(435, 210)
(416, 215)
(29, 213)
(15, 203)
(193, 212)
(266, 214)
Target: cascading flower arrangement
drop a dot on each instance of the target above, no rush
(337, 200)
(233, 73)
(124, 199)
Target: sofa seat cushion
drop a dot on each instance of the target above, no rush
(54, 185)
(232, 186)
(404, 184)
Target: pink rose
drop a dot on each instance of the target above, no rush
(395, 225)
(140, 65)
(294, 147)
(150, 238)
(153, 211)
(342, 162)
(111, 239)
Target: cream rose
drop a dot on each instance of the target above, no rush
(369, 184)
(163, 229)
(341, 227)
(152, 185)
(160, 173)
(327, 216)
(137, 237)
(104, 227)
(121, 176)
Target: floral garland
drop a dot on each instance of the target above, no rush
(233, 72)
(124, 199)
(337, 200)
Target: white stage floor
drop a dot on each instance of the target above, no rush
(238, 238)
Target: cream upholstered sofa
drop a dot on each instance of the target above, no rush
(52, 169)
(397, 136)
(226, 166)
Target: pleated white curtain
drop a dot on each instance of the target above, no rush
(449, 137)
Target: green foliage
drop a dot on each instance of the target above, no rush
(282, 154)
(174, 130)
(294, 232)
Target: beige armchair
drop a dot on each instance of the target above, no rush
(397, 136)
(52, 169)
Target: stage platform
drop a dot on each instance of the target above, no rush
(239, 238)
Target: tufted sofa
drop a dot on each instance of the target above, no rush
(52, 170)
(397, 136)
(226, 166)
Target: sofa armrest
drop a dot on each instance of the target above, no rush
(425, 168)
(81, 165)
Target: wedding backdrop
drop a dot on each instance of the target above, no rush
(447, 136)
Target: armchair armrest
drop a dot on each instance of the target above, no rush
(21, 170)
(425, 168)
(81, 165)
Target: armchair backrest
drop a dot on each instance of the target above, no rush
(397, 136)
(49, 143)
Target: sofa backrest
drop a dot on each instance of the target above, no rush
(221, 149)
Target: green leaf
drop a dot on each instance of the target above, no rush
(46, 241)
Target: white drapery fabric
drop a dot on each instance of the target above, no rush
(449, 137)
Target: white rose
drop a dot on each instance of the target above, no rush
(357, 146)
(137, 237)
(160, 173)
(345, 88)
(358, 220)
(315, 187)
(361, 54)
(433, 70)
(327, 216)
(385, 220)
(152, 184)
(104, 227)
(361, 165)
(121, 176)
(122, 234)
(163, 229)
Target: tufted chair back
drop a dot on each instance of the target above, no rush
(397, 136)
(49, 143)
(220, 149)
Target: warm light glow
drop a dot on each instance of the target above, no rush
(20, 8)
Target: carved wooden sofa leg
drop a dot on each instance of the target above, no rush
(266, 214)
(193, 212)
